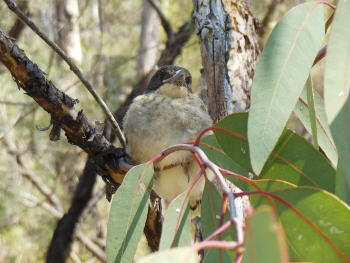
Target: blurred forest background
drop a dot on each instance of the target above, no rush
(114, 43)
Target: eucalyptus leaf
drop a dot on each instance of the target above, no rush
(128, 214)
(336, 87)
(280, 76)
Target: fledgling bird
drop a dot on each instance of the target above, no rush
(168, 113)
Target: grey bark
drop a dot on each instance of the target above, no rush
(228, 32)
(229, 36)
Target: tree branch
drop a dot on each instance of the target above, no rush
(18, 26)
(165, 23)
(13, 7)
(59, 248)
(109, 161)
(92, 247)
(79, 131)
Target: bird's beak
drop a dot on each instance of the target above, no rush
(179, 76)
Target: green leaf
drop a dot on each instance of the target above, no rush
(280, 76)
(181, 254)
(318, 230)
(267, 185)
(176, 229)
(342, 189)
(312, 111)
(235, 144)
(323, 131)
(128, 214)
(210, 216)
(336, 85)
(293, 159)
(215, 154)
(264, 238)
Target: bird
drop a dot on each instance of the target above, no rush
(168, 113)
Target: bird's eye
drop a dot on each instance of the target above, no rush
(188, 80)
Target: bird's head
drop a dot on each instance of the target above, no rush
(171, 81)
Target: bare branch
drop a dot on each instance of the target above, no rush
(224, 189)
(39, 184)
(79, 130)
(18, 26)
(165, 23)
(62, 239)
(92, 247)
(31, 200)
(107, 159)
(13, 7)
(93, 201)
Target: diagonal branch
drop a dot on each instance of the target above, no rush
(109, 161)
(18, 26)
(12, 6)
(165, 23)
(79, 130)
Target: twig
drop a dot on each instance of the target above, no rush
(43, 189)
(18, 26)
(35, 180)
(215, 169)
(93, 201)
(34, 201)
(92, 247)
(165, 23)
(13, 7)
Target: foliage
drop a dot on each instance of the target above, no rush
(298, 191)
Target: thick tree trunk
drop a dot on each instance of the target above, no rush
(229, 37)
(230, 50)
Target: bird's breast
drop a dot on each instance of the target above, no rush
(155, 122)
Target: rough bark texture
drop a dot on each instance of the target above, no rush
(227, 30)
(67, 14)
(79, 131)
(229, 36)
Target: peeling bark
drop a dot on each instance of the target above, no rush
(230, 51)
(228, 32)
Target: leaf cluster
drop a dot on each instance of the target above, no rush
(299, 191)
